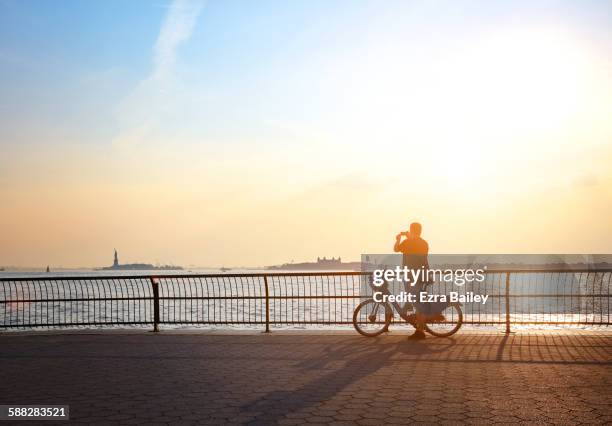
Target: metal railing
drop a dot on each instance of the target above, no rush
(516, 297)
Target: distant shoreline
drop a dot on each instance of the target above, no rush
(312, 266)
(140, 267)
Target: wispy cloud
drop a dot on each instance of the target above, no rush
(176, 29)
(146, 104)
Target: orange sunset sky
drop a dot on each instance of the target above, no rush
(253, 133)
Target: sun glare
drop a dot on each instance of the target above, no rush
(466, 108)
(537, 78)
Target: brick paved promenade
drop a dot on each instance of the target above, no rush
(147, 378)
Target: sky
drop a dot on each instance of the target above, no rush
(255, 133)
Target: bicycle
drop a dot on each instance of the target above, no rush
(367, 321)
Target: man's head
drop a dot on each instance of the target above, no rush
(415, 229)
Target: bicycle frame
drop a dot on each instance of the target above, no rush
(401, 310)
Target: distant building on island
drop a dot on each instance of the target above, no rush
(325, 261)
(322, 263)
(137, 266)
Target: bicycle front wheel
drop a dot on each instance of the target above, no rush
(370, 318)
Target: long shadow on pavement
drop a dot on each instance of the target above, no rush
(359, 361)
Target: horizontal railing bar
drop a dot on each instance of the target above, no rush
(369, 296)
(270, 297)
(560, 295)
(260, 297)
(351, 322)
(94, 299)
(550, 295)
(555, 322)
(148, 277)
(214, 322)
(495, 296)
(4, 326)
(60, 324)
(272, 274)
(545, 270)
(257, 322)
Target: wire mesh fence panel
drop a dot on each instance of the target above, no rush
(26, 303)
(212, 300)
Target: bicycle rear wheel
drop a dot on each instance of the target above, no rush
(447, 323)
(370, 318)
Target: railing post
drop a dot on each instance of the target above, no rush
(155, 285)
(508, 302)
(267, 304)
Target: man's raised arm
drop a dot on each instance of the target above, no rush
(398, 238)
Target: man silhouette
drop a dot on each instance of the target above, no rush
(414, 250)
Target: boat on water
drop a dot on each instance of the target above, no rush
(224, 269)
